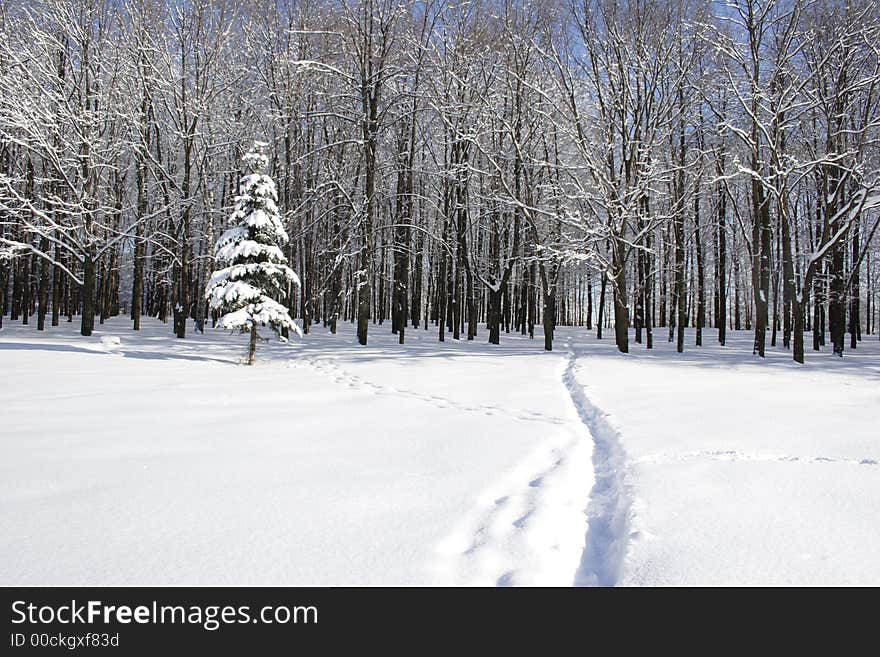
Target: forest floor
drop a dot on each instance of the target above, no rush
(150, 460)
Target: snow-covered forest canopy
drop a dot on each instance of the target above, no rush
(469, 168)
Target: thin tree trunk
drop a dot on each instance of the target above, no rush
(43, 293)
(494, 316)
(88, 296)
(57, 282)
(701, 272)
(252, 345)
(549, 321)
(621, 309)
(797, 311)
(589, 301)
(788, 285)
(855, 292)
(722, 266)
(837, 300)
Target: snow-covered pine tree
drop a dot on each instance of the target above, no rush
(257, 269)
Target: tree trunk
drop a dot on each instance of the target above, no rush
(180, 312)
(494, 316)
(647, 301)
(638, 319)
(788, 286)
(532, 312)
(402, 236)
(4, 274)
(855, 292)
(722, 266)
(471, 306)
(18, 282)
(26, 289)
(621, 309)
(818, 326)
(137, 285)
(549, 319)
(775, 325)
(762, 244)
(441, 295)
(363, 297)
(589, 301)
(680, 298)
(837, 300)
(370, 126)
(43, 293)
(88, 297)
(600, 319)
(57, 282)
(701, 273)
(797, 311)
(416, 303)
(252, 345)
(621, 322)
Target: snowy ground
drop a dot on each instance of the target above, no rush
(159, 461)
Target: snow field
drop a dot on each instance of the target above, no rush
(744, 472)
(136, 458)
(161, 461)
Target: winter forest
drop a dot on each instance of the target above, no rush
(679, 200)
(458, 167)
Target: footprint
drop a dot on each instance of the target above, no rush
(506, 579)
(520, 522)
(478, 542)
(354, 382)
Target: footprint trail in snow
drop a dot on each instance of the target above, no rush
(562, 516)
(343, 377)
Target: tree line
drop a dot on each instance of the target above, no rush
(454, 166)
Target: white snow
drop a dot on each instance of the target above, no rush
(265, 312)
(263, 221)
(221, 290)
(232, 235)
(742, 471)
(259, 184)
(111, 341)
(162, 461)
(250, 249)
(271, 270)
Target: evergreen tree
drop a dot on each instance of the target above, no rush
(257, 269)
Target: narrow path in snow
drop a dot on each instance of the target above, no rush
(609, 511)
(733, 455)
(343, 377)
(528, 528)
(562, 516)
